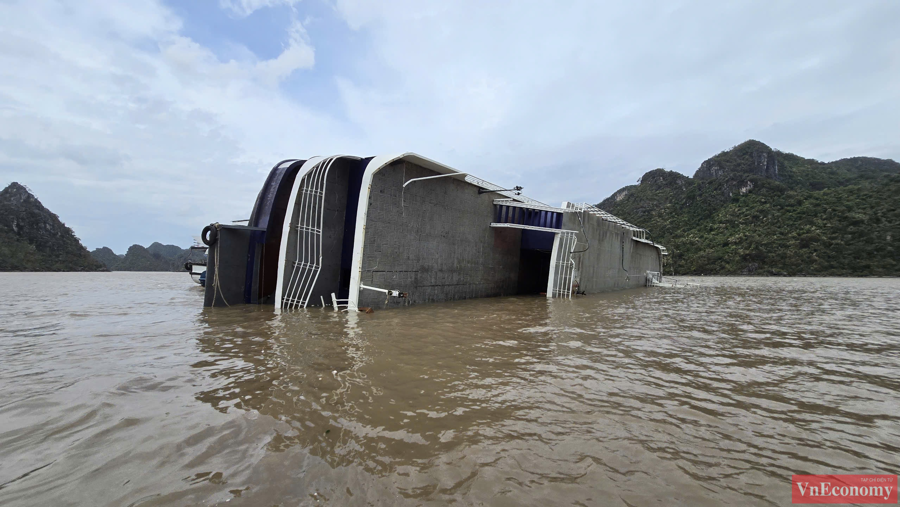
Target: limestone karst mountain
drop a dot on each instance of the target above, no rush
(32, 238)
(156, 257)
(756, 210)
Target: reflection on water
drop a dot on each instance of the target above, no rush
(118, 389)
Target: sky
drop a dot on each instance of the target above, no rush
(144, 120)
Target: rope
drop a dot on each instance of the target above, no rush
(403, 193)
(586, 238)
(216, 286)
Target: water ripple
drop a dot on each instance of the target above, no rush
(118, 389)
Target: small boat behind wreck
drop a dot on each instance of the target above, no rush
(388, 231)
(196, 263)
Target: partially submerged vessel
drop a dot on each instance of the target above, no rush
(196, 263)
(388, 231)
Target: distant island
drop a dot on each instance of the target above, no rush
(32, 238)
(156, 257)
(753, 210)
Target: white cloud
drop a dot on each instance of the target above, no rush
(114, 114)
(192, 61)
(297, 54)
(592, 90)
(104, 116)
(246, 7)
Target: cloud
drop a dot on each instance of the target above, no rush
(104, 116)
(244, 8)
(297, 54)
(133, 112)
(587, 90)
(194, 62)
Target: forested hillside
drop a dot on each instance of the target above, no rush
(156, 257)
(33, 238)
(755, 210)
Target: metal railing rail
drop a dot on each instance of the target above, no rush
(638, 233)
(310, 221)
(502, 191)
(338, 303)
(564, 268)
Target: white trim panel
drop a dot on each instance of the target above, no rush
(286, 227)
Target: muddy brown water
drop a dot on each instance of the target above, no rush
(119, 389)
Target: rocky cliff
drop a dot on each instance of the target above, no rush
(32, 238)
(749, 158)
(756, 210)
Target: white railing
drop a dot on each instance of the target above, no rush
(500, 190)
(609, 217)
(563, 266)
(338, 303)
(637, 233)
(310, 220)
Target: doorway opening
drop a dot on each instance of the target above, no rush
(354, 185)
(534, 262)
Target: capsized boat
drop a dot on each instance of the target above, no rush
(396, 230)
